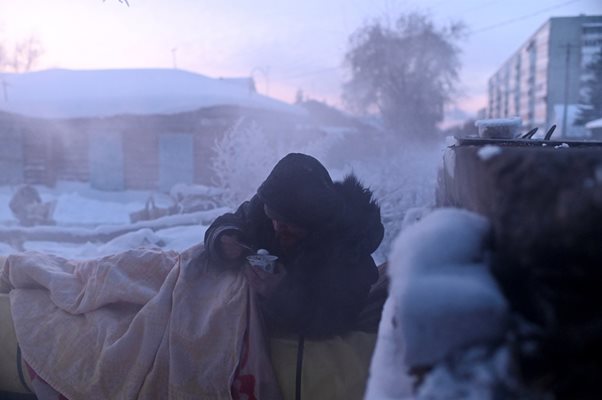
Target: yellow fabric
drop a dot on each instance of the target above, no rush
(332, 369)
(9, 374)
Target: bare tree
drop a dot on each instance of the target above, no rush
(406, 72)
(25, 55)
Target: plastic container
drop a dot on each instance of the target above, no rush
(503, 128)
(263, 260)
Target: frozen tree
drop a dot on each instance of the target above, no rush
(592, 87)
(404, 186)
(246, 153)
(406, 72)
(243, 158)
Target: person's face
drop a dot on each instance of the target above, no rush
(288, 235)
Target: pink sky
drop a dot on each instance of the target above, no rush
(286, 45)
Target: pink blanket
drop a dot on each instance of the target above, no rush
(143, 324)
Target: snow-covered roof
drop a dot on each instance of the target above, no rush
(60, 93)
(246, 83)
(597, 123)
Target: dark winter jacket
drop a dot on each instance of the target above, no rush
(328, 278)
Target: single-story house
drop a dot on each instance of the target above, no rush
(124, 129)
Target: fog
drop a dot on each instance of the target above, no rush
(138, 97)
(128, 126)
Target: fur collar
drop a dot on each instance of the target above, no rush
(358, 221)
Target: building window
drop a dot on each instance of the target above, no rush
(592, 29)
(592, 43)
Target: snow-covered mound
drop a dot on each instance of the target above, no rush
(442, 300)
(60, 93)
(92, 223)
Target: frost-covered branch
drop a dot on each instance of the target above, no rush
(247, 152)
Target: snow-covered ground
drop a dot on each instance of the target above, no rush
(458, 279)
(83, 211)
(80, 209)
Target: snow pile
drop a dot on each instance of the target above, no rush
(74, 209)
(77, 204)
(181, 190)
(449, 300)
(479, 373)
(92, 223)
(442, 300)
(413, 215)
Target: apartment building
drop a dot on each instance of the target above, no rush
(542, 81)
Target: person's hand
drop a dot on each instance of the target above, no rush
(262, 282)
(230, 248)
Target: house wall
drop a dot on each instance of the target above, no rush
(141, 161)
(71, 150)
(26, 151)
(106, 160)
(11, 152)
(142, 137)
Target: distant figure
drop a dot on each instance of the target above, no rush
(27, 206)
(323, 233)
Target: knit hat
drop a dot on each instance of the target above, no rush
(300, 190)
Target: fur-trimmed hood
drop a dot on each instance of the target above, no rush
(329, 280)
(359, 217)
(328, 276)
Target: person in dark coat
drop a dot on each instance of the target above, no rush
(323, 233)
